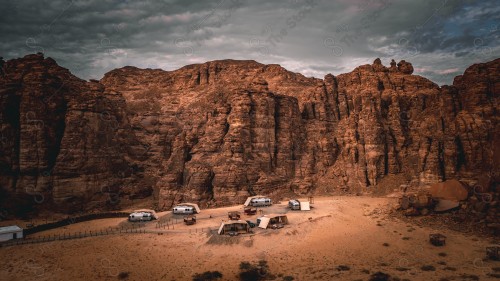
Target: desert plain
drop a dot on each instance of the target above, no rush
(341, 238)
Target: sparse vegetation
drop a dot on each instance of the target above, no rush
(343, 268)
(428, 268)
(123, 275)
(470, 277)
(207, 276)
(380, 276)
(494, 275)
(255, 272)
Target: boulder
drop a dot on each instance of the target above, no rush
(449, 190)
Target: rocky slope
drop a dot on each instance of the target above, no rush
(218, 131)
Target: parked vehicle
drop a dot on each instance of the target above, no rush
(233, 215)
(140, 216)
(260, 202)
(183, 210)
(190, 220)
(294, 204)
(437, 239)
(250, 211)
(251, 224)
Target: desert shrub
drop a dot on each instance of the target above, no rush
(207, 276)
(380, 276)
(428, 268)
(343, 268)
(123, 275)
(255, 272)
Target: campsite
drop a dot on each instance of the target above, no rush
(340, 238)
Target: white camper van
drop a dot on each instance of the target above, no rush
(183, 210)
(294, 204)
(140, 216)
(299, 204)
(259, 202)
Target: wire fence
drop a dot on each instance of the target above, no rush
(167, 223)
(68, 221)
(68, 236)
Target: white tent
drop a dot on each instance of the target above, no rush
(247, 202)
(264, 222)
(305, 206)
(238, 226)
(10, 232)
(272, 219)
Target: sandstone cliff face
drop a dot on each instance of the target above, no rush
(218, 131)
(64, 142)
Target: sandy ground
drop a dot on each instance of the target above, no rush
(344, 231)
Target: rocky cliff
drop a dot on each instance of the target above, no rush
(218, 131)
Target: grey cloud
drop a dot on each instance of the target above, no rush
(91, 37)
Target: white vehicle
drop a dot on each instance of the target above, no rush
(184, 210)
(140, 216)
(294, 204)
(259, 202)
(299, 204)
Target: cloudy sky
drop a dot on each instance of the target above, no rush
(313, 37)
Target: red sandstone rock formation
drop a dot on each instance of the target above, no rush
(221, 130)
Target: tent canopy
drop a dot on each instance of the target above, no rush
(195, 206)
(238, 226)
(247, 202)
(152, 212)
(10, 229)
(305, 206)
(272, 218)
(264, 222)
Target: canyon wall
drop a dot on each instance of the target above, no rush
(219, 131)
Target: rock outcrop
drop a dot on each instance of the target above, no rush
(218, 131)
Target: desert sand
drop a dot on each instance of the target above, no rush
(341, 238)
